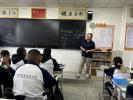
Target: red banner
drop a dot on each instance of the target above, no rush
(38, 13)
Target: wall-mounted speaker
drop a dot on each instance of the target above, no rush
(89, 15)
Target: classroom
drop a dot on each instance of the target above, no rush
(75, 44)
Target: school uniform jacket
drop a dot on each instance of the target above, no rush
(30, 80)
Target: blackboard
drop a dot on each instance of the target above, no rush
(71, 33)
(65, 34)
(29, 32)
(8, 32)
(38, 33)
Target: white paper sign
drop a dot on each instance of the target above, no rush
(72, 13)
(8, 12)
(103, 37)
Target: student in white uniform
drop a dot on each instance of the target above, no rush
(49, 63)
(19, 58)
(120, 71)
(30, 79)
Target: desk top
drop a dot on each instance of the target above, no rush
(62, 66)
(123, 87)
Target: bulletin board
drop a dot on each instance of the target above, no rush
(103, 36)
(129, 37)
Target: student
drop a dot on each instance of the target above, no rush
(120, 71)
(19, 58)
(6, 62)
(110, 71)
(87, 47)
(30, 79)
(49, 63)
(6, 74)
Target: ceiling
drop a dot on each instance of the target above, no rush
(66, 3)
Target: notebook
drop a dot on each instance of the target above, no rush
(121, 81)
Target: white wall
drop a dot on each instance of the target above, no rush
(71, 58)
(24, 12)
(118, 17)
(129, 19)
(111, 16)
(127, 55)
(51, 13)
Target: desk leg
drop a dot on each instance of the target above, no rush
(61, 80)
(131, 75)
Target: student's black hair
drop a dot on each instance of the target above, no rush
(46, 54)
(117, 61)
(21, 50)
(47, 51)
(5, 53)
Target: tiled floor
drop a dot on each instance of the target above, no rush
(82, 91)
(87, 91)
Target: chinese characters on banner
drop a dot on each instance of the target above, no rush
(8, 12)
(38, 13)
(72, 13)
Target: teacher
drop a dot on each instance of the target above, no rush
(87, 46)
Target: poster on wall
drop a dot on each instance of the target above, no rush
(8, 12)
(129, 37)
(103, 36)
(38, 13)
(72, 13)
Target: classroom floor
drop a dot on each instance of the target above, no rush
(84, 91)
